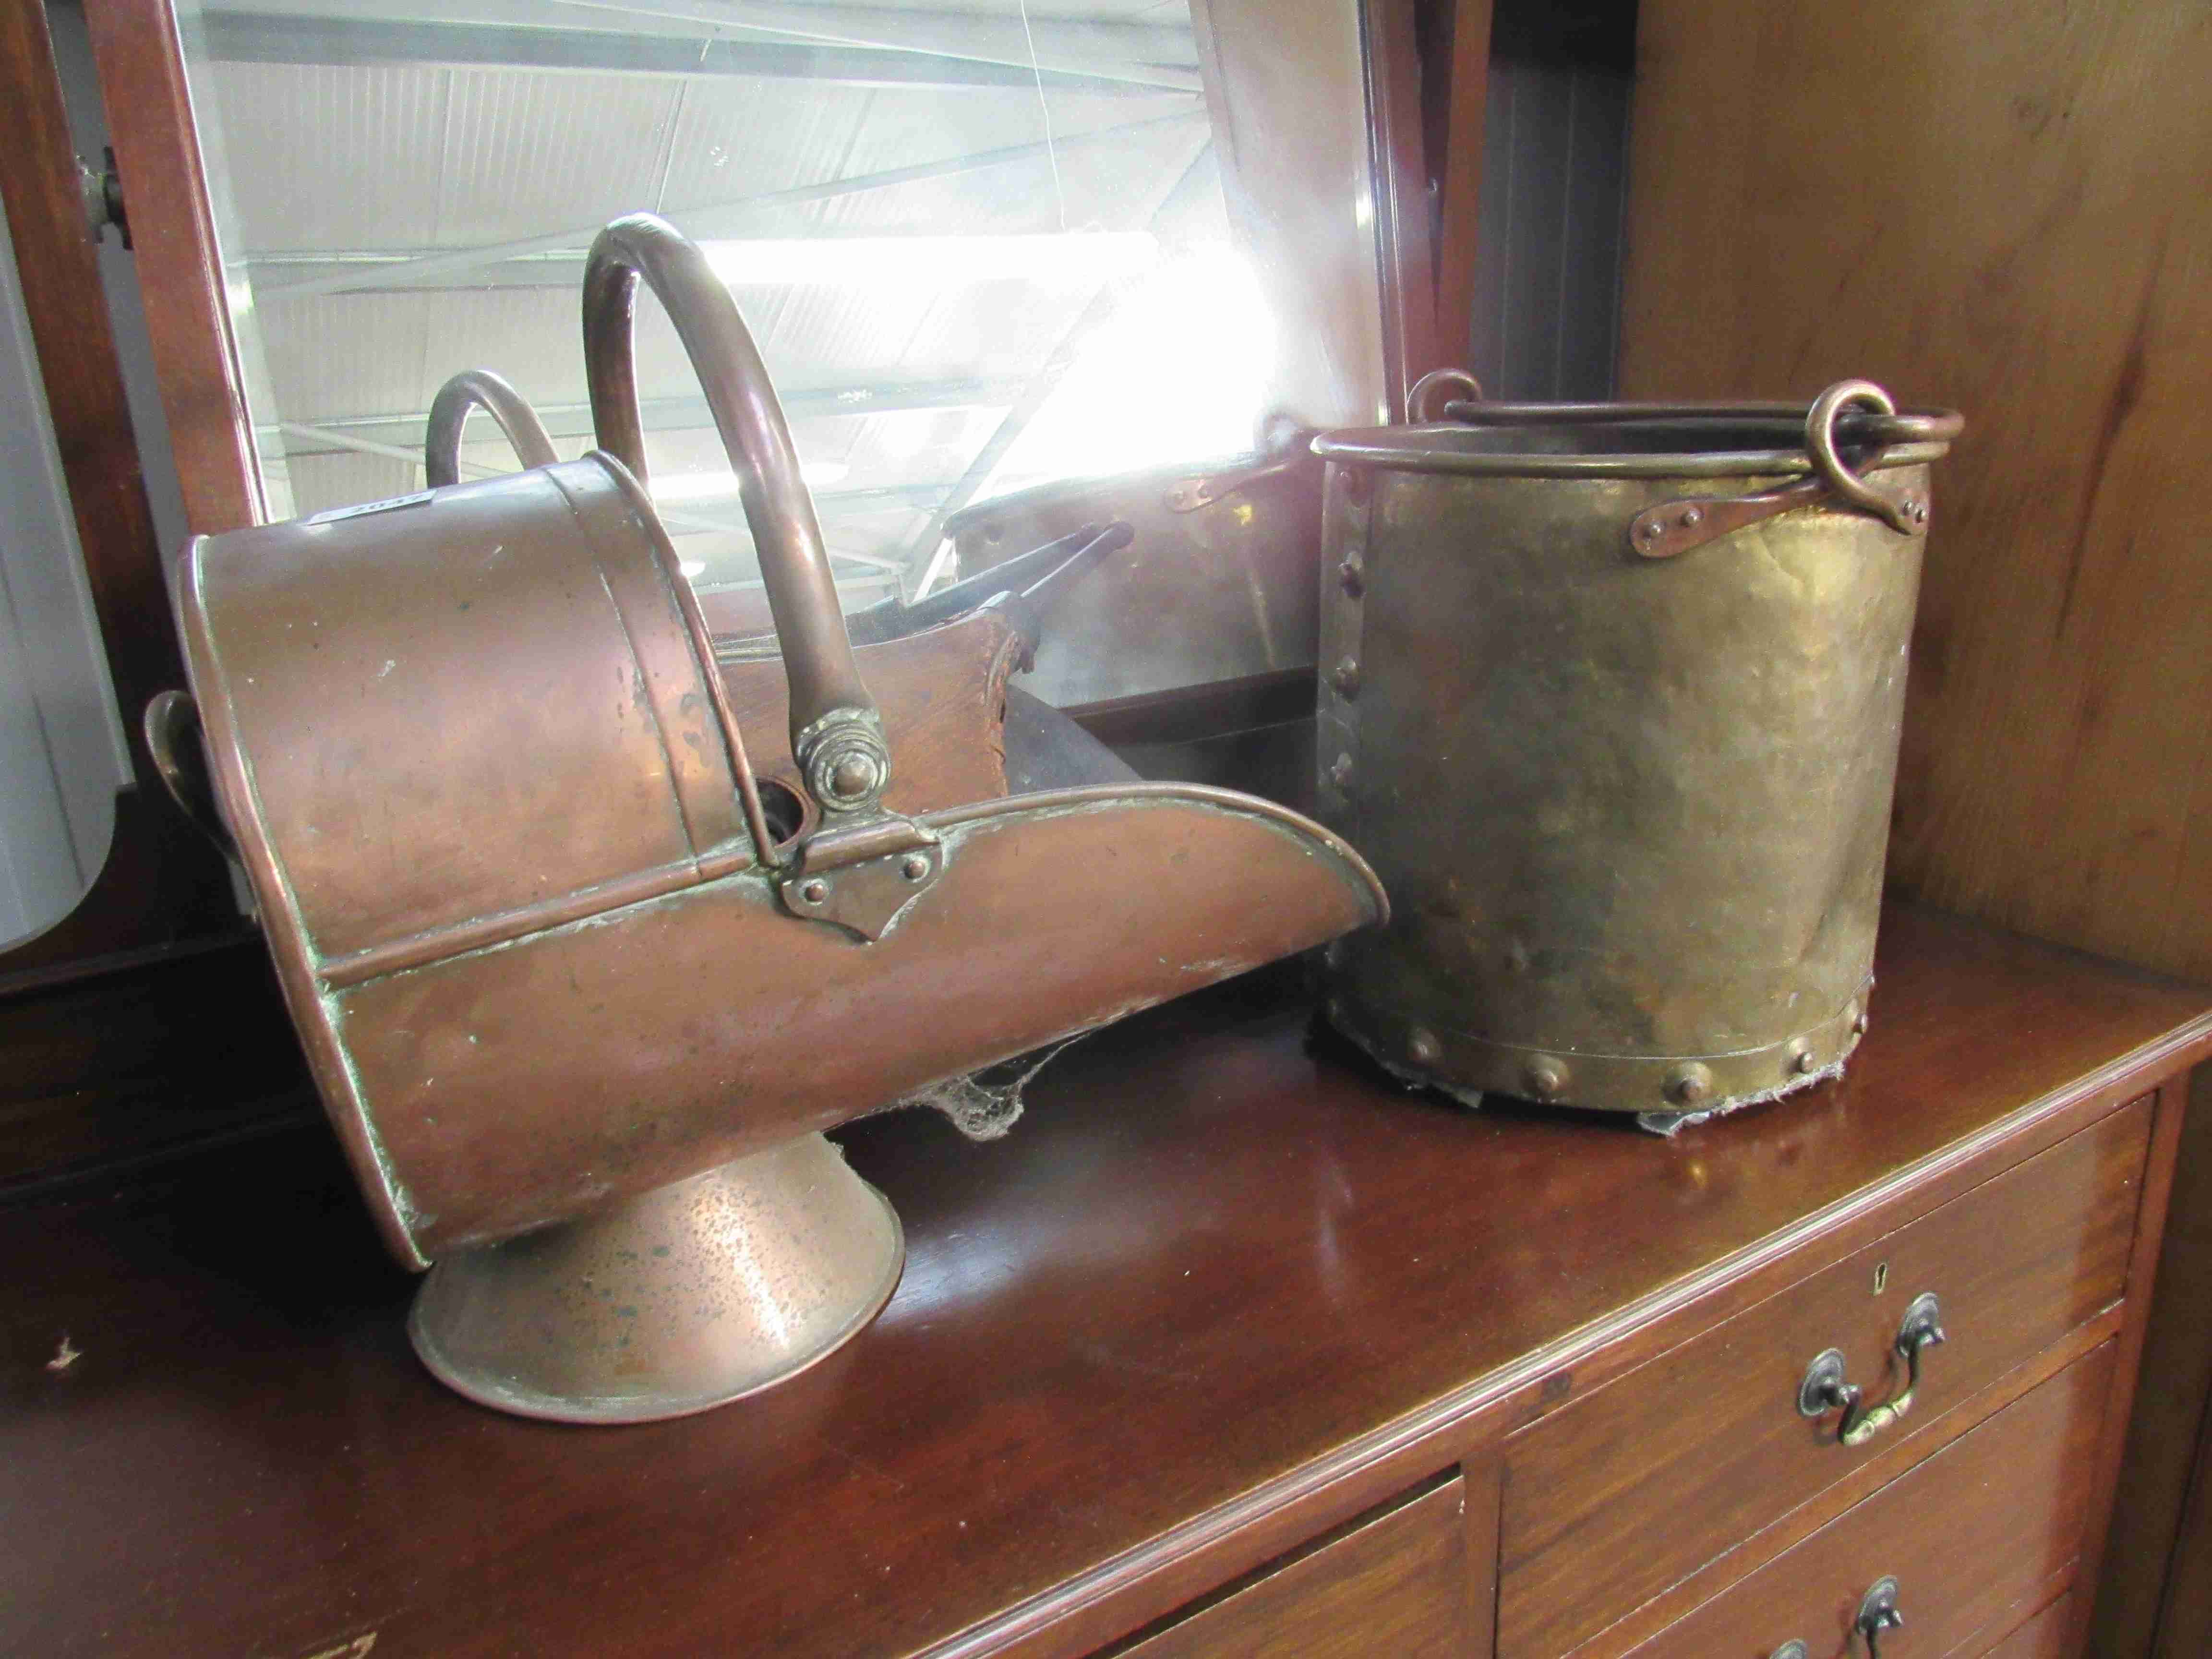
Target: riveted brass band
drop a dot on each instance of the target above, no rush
(1465, 1065)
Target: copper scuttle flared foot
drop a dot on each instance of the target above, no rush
(683, 1297)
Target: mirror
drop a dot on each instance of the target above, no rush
(982, 243)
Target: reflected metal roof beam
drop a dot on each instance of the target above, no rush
(376, 270)
(1155, 53)
(253, 37)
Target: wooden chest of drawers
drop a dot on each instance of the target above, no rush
(1230, 1349)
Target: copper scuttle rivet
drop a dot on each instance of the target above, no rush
(1340, 771)
(815, 891)
(1691, 518)
(1690, 1083)
(916, 867)
(853, 776)
(1859, 1020)
(1546, 1079)
(1352, 577)
(1423, 1047)
(1345, 677)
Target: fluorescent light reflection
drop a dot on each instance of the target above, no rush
(717, 486)
(1179, 373)
(923, 262)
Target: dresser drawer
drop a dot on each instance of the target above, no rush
(1973, 1533)
(2042, 1637)
(1616, 1498)
(1397, 1585)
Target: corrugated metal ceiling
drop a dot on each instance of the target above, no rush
(346, 165)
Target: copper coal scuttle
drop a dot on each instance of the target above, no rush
(581, 987)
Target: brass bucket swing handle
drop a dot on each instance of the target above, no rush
(473, 389)
(837, 734)
(1672, 527)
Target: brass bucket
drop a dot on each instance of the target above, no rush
(1611, 698)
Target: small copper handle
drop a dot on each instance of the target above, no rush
(1823, 1388)
(171, 725)
(1878, 1614)
(837, 734)
(1421, 406)
(473, 389)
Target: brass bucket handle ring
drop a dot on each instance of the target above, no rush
(836, 733)
(1422, 407)
(470, 390)
(1837, 474)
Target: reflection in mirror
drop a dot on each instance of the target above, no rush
(982, 244)
(62, 751)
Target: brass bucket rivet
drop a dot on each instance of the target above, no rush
(1859, 1020)
(1803, 1062)
(1545, 1078)
(1345, 677)
(1424, 1047)
(1690, 1083)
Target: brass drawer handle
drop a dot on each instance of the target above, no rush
(1823, 1388)
(1878, 1611)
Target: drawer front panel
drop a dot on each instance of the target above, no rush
(2042, 1637)
(1970, 1534)
(1397, 1584)
(1615, 1498)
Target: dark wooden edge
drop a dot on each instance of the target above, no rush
(1457, 106)
(161, 881)
(1485, 1485)
(143, 81)
(1467, 1425)
(1391, 32)
(2142, 1275)
(1192, 712)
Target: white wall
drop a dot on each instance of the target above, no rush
(62, 751)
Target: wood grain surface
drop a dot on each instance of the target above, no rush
(1984, 1524)
(2046, 1636)
(1999, 205)
(1218, 1291)
(1615, 1499)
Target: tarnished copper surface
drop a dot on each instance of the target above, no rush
(490, 786)
(1632, 811)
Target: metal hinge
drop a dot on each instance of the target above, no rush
(101, 187)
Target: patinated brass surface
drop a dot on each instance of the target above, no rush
(1633, 812)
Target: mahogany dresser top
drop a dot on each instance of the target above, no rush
(1212, 1264)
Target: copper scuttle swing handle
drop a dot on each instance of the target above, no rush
(864, 866)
